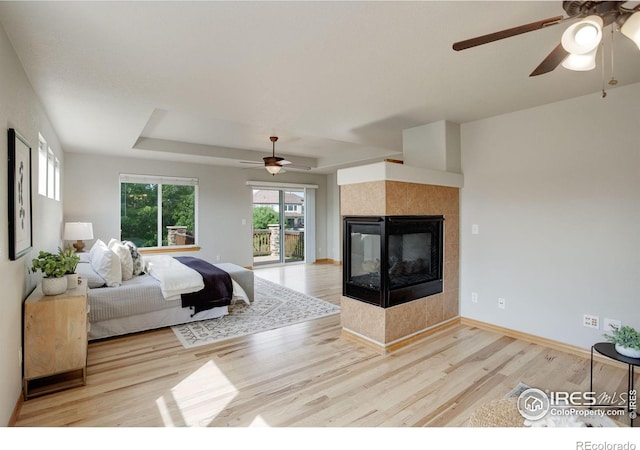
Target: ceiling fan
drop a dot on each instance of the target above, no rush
(274, 164)
(579, 44)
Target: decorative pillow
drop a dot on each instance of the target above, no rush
(95, 249)
(106, 264)
(86, 272)
(138, 262)
(124, 255)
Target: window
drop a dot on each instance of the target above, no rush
(56, 174)
(48, 171)
(158, 211)
(42, 167)
(51, 177)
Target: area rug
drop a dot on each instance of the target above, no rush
(274, 307)
(516, 391)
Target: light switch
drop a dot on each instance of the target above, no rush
(474, 228)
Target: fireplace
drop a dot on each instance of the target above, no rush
(390, 260)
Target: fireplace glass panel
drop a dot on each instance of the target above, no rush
(365, 255)
(409, 259)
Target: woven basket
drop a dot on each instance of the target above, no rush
(498, 413)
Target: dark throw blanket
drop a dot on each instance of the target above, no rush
(217, 291)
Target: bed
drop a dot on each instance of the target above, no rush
(143, 302)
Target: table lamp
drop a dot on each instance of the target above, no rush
(77, 231)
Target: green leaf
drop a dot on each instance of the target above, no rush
(624, 336)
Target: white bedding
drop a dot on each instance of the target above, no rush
(140, 304)
(175, 278)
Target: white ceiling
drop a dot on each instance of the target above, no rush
(336, 81)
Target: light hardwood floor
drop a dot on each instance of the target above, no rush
(306, 375)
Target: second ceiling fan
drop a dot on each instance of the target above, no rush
(580, 41)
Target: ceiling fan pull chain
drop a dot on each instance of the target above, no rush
(604, 93)
(612, 81)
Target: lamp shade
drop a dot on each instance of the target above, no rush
(583, 62)
(584, 36)
(273, 169)
(77, 231)
(631, 28)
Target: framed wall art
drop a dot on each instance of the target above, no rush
(19, 176)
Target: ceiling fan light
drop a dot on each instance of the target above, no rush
(580, 62)
(631, 28)
(584, 36)
(273, 169)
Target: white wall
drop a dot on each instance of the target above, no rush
(334, 220)
(20, 109)
(555, 192)
(92, 195)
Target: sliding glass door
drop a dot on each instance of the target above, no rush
(293, 233)
(278, 226)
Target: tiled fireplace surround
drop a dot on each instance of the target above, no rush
(387, 328)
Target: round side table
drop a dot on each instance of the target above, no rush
(609, 350)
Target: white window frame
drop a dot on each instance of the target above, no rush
(51, 178)
(56, 183)
(309, 212)
(49, 171)
(42, 166)
(161, 180)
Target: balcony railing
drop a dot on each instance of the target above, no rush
(261, 242)
(294, 244)
(266, 243)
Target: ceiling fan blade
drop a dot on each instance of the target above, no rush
(290, 165)
(462, 45)
(297, 167)
(552, 61)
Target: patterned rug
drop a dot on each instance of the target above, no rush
(274, 307)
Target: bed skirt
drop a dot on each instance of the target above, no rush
(150, 320)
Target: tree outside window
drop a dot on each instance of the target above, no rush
(157, 214)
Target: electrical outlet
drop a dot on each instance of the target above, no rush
(474, 297)
(217, 257)
(591, 321)
(609, 324)
(502, 303)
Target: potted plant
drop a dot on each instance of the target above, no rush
(626, 340)
(53, 267)
(71, 262)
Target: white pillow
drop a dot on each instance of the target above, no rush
(96, 248)
(86, 272)
(124, 255)
(106, 263)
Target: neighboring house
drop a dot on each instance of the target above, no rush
(293, 205)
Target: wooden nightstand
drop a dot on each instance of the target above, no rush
(55, 341)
